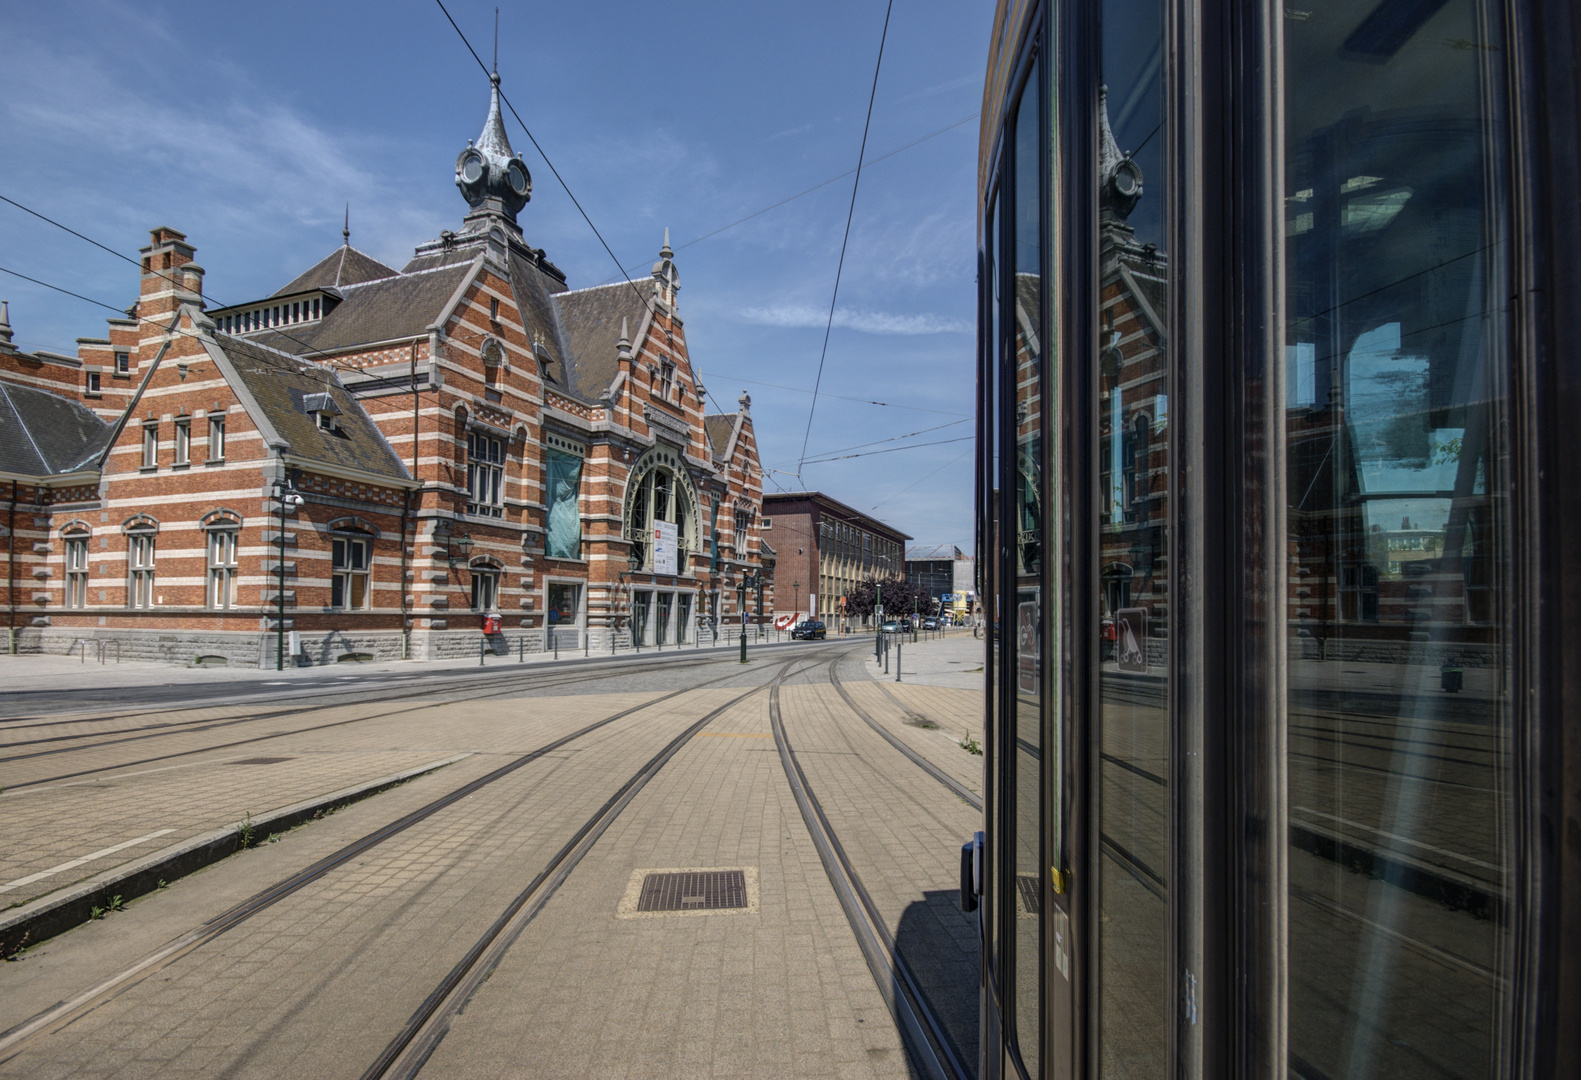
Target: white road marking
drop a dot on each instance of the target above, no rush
(74, 863)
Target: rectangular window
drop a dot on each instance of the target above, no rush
(666, 379)
(222, 569)
(485, 590)
(93, 382)
(140, 570)
(76, 571)
(123, 363)
(485, 475)
(150, 446)
(349, 582)
(216, 438)
(183, 442)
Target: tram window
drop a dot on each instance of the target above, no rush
(1128, 718)
(1022, 357)
(1399, 791)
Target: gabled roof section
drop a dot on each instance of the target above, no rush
(534, 292)
(592, 320)
(390, 309)
(719, 427)
(343, 266)
(279, 386)
(43, 434)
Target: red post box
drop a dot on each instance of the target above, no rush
(491, 624)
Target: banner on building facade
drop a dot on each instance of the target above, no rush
(565, 519)
(665, 536)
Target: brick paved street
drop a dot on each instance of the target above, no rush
(318, 980)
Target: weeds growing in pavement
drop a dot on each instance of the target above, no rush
(12, 951)
(245, 831)
(96, 912)
(971, 745)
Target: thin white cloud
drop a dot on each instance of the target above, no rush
(859, 319)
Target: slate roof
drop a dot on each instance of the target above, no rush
(534, 291)
(400, 306)
(718, 428)
(279, 383)
(343, 266)
(42, 434)
(592, 322)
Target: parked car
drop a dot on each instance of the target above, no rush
(930, 623)
(890, 627)
(809, 629)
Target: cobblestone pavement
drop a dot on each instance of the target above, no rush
(317, 983)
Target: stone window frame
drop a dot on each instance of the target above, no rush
(344, 533)
(75, 536)
(183, 442)
(216, 439)
(221, 539)
(142, 533)
(150, 445)
(487, 572)
(638, 501)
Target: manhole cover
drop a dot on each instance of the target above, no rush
(262, 761)
(696, 890)
(1027, 886)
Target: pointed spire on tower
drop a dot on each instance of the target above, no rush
(665, 252)
(623, 346)
(5, 325)
(345, 232)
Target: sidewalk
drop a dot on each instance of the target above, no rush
(955, 660)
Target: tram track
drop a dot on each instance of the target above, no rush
(519, 683)
(933, 1050)
(443, 1002)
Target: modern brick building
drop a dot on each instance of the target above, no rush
(464, 437)
(824, 547)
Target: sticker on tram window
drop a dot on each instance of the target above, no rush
(1130, 640)
(1027, 648)
(1061, 942)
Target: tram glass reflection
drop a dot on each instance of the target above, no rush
(1399, 769)
(1024, 633)
(1133, 571)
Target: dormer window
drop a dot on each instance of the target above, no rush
(666, 379)
(323, 410)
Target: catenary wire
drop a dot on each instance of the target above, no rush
(125, 258)
(892, 438)
(849, 214)
(843, 397)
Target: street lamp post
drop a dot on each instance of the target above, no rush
(285, 494)
(796, 598)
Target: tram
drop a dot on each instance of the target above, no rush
(1277, 522)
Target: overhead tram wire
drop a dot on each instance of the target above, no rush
(127, 258)
(896, 438)
(849, 214)
(845, 397)
(528, 132)
(818, 186)
(891, 450)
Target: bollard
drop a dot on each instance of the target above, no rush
(521, 649)
(743, 648)
(898, 644)
(556, 644)
(482, 641)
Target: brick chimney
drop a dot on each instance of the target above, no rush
(170, 279)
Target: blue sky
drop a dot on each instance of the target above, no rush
(250, 130)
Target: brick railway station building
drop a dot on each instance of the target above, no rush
(459, 445)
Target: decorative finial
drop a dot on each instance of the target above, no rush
(5, 323)
(745, 401)
(665, 251)
(345, 232)
(496, 45)
(623, 346)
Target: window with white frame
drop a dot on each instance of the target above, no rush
(76, 570)
(123, 363)
(150, 446)
(485, 474)
(485, 588)
(183, 442)
(140, 569)
(93, 382)
(666, 379)
(222, 568)
(350, 562)
(216, 438)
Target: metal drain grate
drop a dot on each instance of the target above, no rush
(262, 761)
(1027, 886)
(699, 890)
